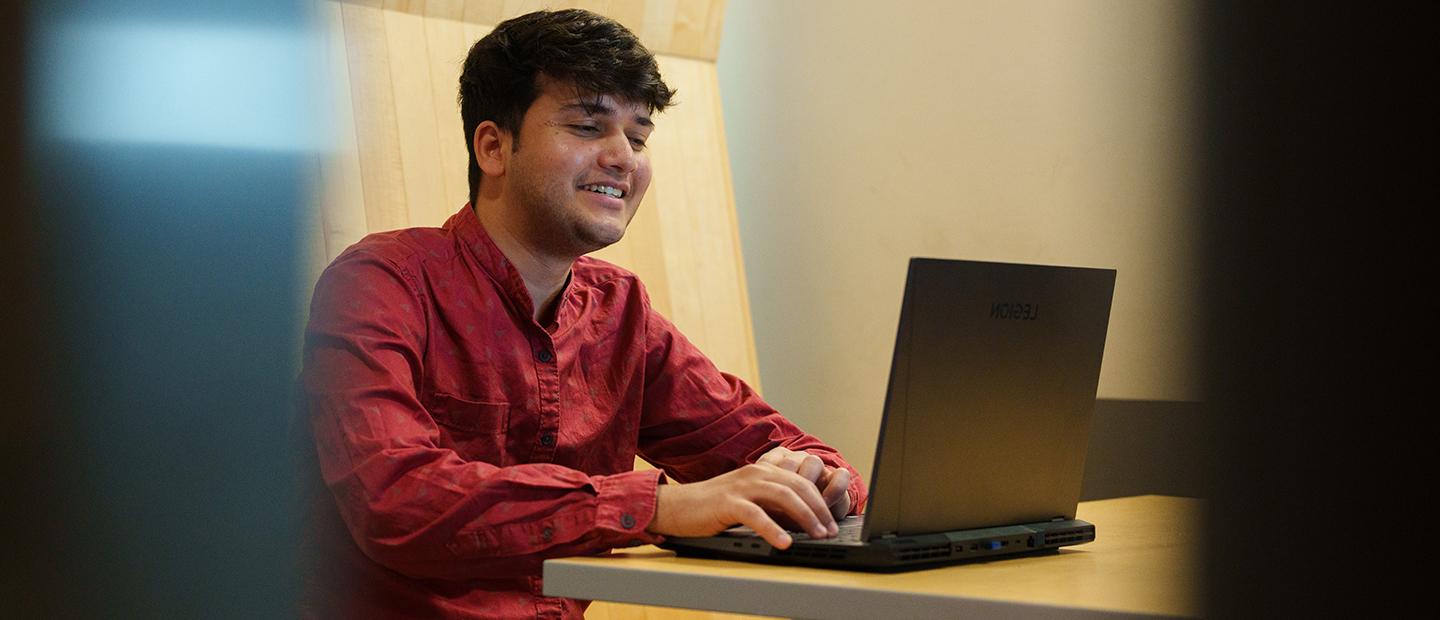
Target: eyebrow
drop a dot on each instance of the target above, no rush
(593, 108)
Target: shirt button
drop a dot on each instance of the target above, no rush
(547, 440)
(627, 521)
(546, 355)
(547, 533)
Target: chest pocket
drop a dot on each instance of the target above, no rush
(474, 430)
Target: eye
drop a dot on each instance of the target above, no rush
(637, 143)
(585, 128)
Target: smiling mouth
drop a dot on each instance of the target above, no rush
(606, 190)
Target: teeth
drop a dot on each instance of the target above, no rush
(604, 189)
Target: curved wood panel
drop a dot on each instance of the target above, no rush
(688, 28)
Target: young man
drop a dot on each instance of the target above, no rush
(478, 392)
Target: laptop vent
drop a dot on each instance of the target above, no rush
(814, 553)
(1067, 537)
(926, 553)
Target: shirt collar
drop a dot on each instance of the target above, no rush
(477, 242)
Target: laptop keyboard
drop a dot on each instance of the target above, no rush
(849, 531)
(850, 528)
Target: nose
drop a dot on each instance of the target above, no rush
(618, 156)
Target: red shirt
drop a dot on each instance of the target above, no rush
(464, 443)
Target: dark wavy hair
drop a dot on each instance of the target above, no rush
(592, 52)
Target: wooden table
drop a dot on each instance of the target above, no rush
(1143, 563)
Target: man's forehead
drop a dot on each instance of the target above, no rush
(571, 98)
(606, 105)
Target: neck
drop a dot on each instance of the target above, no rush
(544, 274)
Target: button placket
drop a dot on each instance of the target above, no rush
(548, 372)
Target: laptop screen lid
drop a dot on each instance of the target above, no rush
(991, 391)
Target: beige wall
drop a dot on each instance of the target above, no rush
(862, 133)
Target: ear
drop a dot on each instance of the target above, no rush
(492, 148)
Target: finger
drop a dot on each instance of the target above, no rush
(775, 456)
(786, 502)
(816, 501)
(810, 468)
(754, 517)
(833, 482)
(808, 508)
(810, 495)
(787, 460)
(837, 492)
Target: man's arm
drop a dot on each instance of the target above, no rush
(746, 463)
(410, 505)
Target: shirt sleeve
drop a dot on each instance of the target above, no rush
(409, 505)
(700, 422)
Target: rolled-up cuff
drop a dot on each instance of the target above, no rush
(627, 506)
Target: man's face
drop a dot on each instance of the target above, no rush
(580, 170)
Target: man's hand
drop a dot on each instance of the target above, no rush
(747, 496)
(833, 482)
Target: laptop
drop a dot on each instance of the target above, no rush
(985, 423)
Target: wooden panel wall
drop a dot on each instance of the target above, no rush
(400, 160)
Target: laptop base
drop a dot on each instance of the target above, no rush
(897, 553)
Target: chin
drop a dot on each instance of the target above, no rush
(601, 236)
(587, 241)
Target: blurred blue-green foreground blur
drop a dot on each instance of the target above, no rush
(169, 146)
